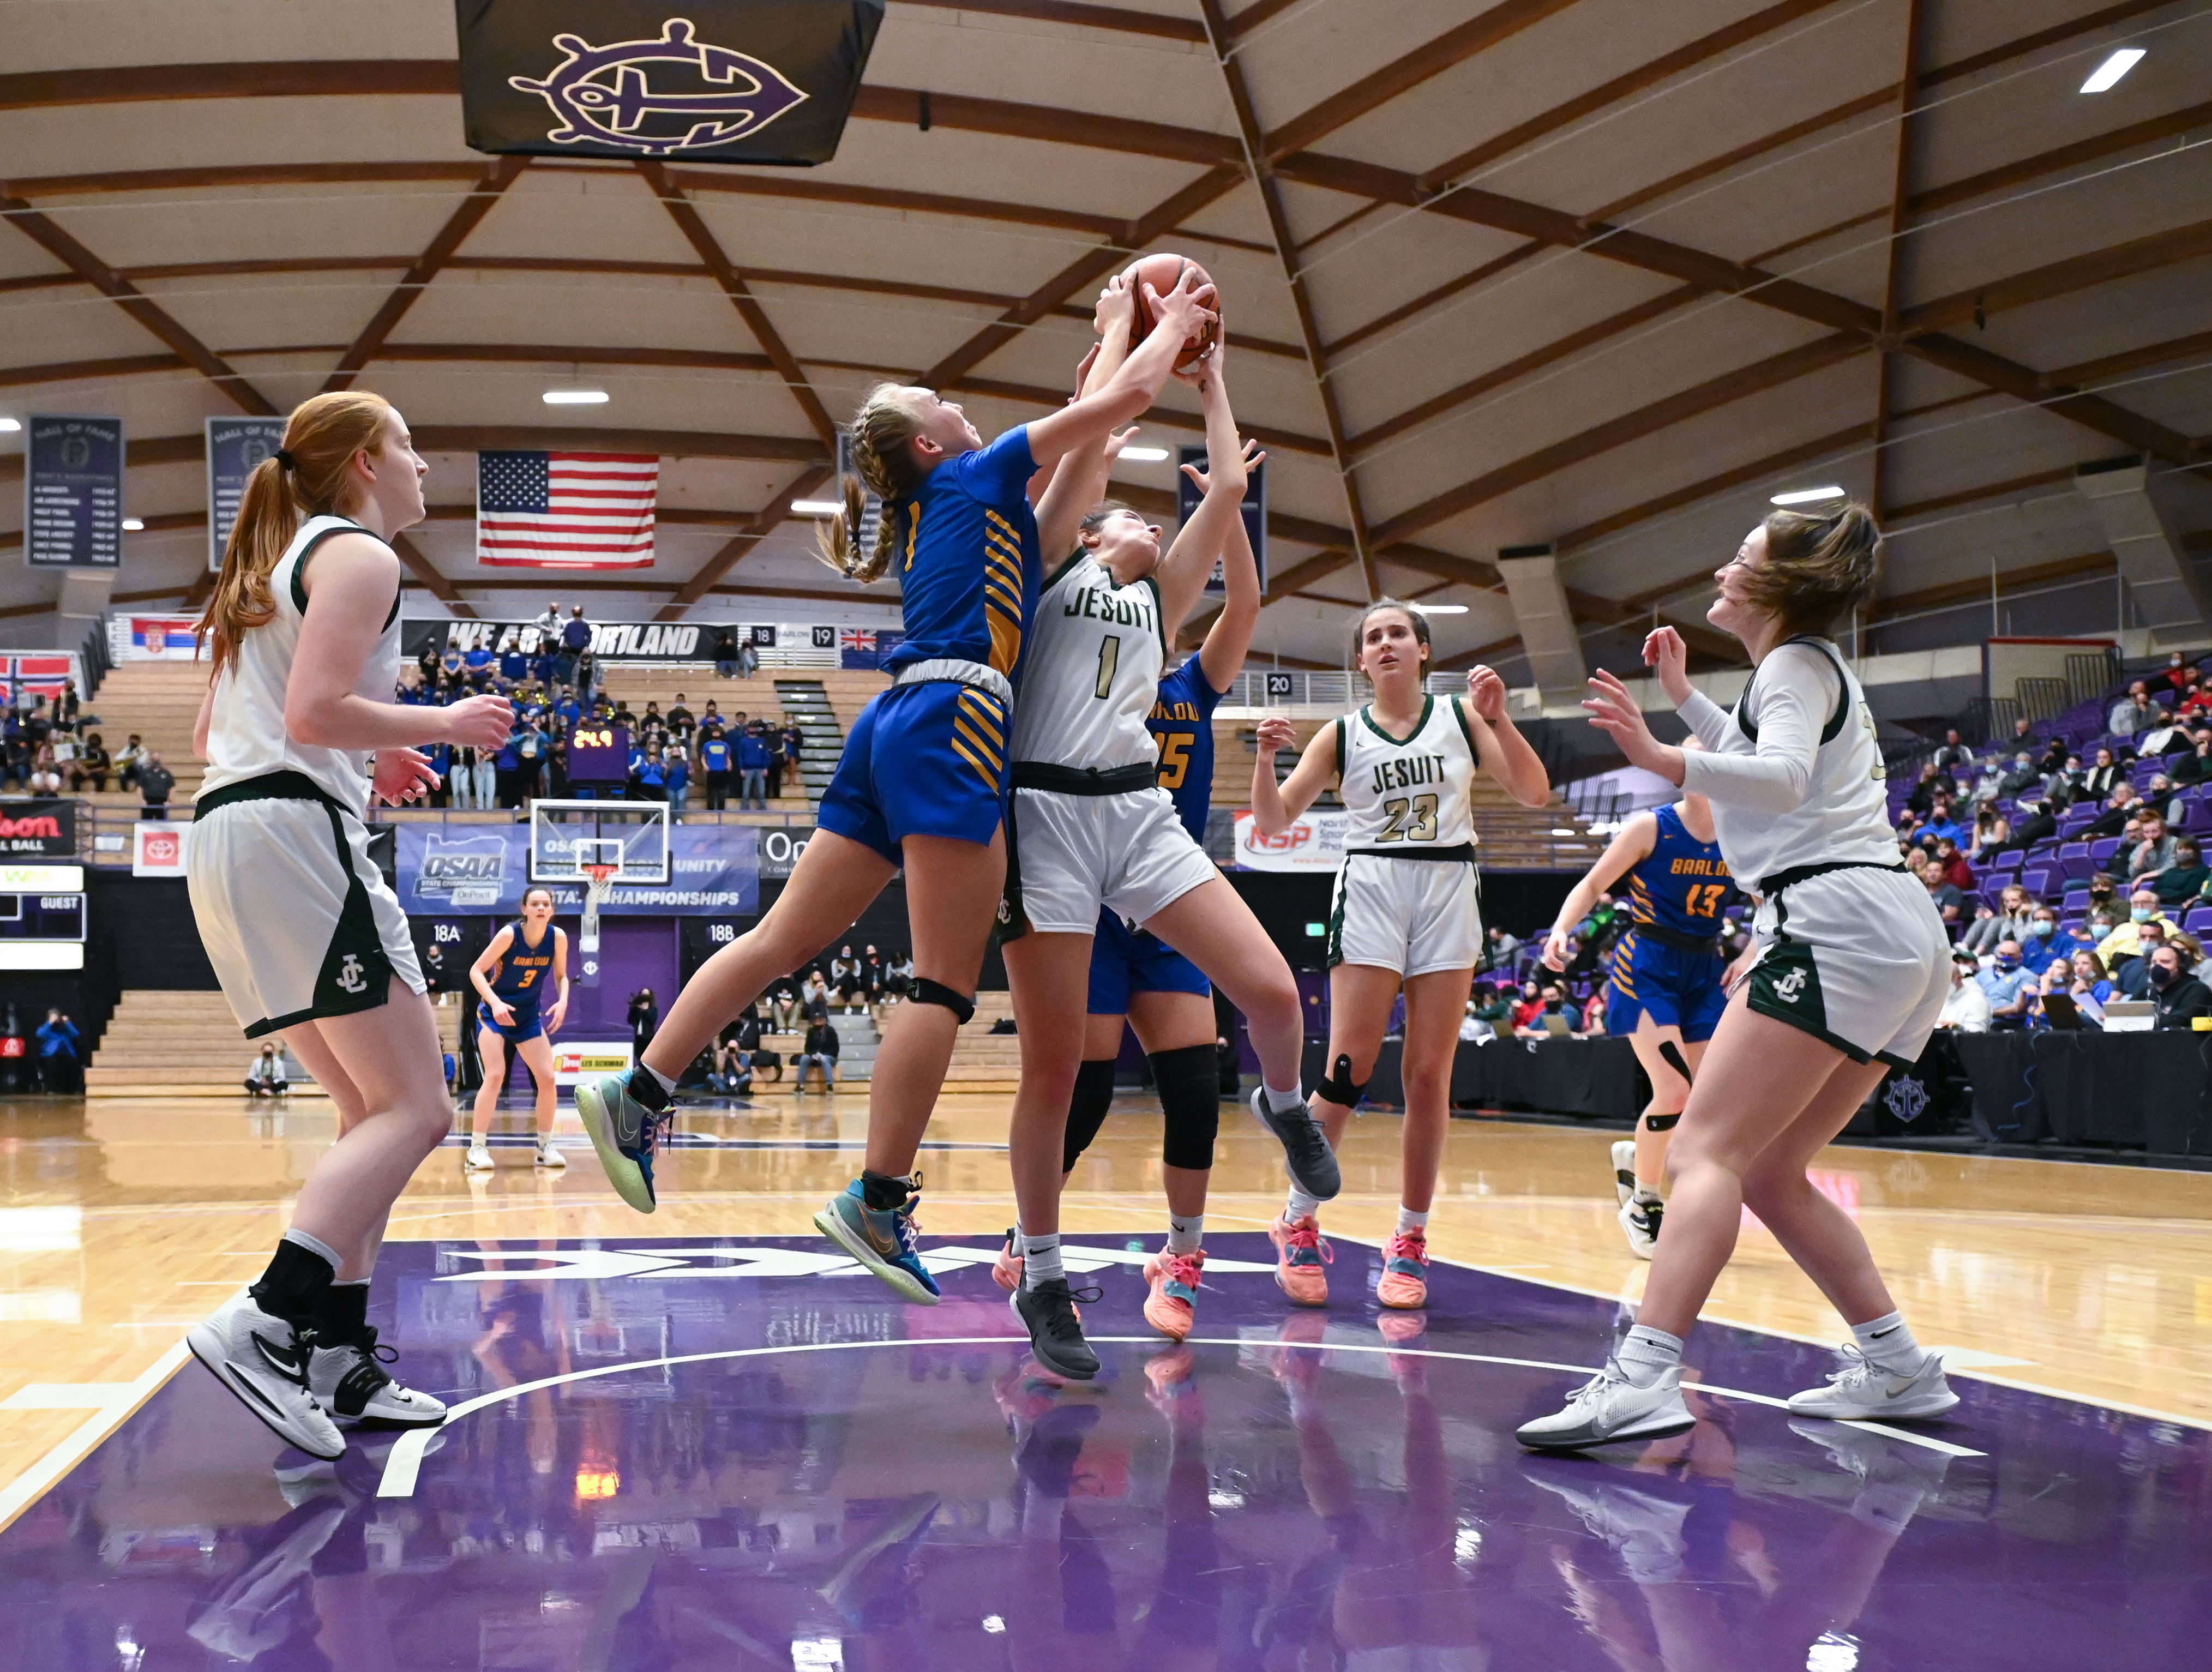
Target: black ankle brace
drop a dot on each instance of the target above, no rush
(648, 1090)
(883, 1192)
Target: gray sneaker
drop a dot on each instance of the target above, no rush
(1608, 1408)
(1862, 1391)
(264, 1362)
(626, 1135)
(1312, 1164)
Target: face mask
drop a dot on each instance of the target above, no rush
(2004, 963)
(2161, 976)
(2042, 930)
(2142, 914)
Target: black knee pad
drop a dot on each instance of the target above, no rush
(1087, 1109)
(1660, 1122)
(927, 992)
(1189, 1083)
(1338, 1088)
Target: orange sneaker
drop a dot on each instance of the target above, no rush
(1006, 1269)
(1300, 1254)
(1404, 1285)
(1174, 1280)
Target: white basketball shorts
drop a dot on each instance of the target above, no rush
(295, 917)
(1073, 853)
(1415, 917)
(1858, 957)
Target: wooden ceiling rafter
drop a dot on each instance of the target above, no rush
(1897, 256)
(708, 574)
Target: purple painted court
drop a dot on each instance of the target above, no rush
(741, 1454)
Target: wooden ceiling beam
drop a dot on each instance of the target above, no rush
(1899, 250)
(2060, 278)
(425, 571)
(2056, 35)
(1900, 515)
(1119, 18)
(1287, 581)
(1757, 471)
(2008, 377)
(2148, 132)
(2090, 372)
(467, 215)
(764, 522)
(43, 231)
(1976, 590)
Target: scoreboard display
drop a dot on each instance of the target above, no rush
(42, 917)
(598, 754)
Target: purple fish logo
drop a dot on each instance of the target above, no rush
(607, 95)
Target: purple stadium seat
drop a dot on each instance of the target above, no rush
(2102, 850)
(2196, 816)
(2008, 861)
(2198, 921)
(2074, 860)
(2037, 881)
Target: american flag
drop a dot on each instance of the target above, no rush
(566, 510)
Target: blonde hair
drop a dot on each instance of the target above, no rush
(1816, 567)
(881, 431)
(303, 480)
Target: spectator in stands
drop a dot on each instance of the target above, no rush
(479, 663)
(726, 651)
(2008, 983)
(814, 994)
(649, 778)
(586, 679)
(2100, 779)
(15, 756)
(2008, 921)
(2121, 810)
(1594, 1014)
(2195, 766)
(68, 705)
(748, 657)
(2179, 996)
(513, 663)
(1499, 949)
(2132, 714)
(715, 759)
(774, 738)
(2089, 986)
(752, 765)
(45, 772)
(676, 770)
(1989, 779)
(1554, 1015)
(127, 762)
(1941, 821)
(1531, 1005)
(846, 977)
(2035, 822)
(155, 784)
(1950, 902)
(2126, 942)
(2162, 736)
(486, 773)
(2132, 975)
(1950, 755)
(576, 640)
(1967, 1009)
(1493, 1006)
(732, 1075)
(548, 624)
(2153, 853)
(820, 1053)
(794, 744)
(60, 1070)
(898, 976)
(264, 1075)
(783, 1002)
(2178, 677)
(90, 766)
(2184, 881)
(2023, 776)
(2040, 944)
(530, 748)
(1952, 864)
(1922, 797)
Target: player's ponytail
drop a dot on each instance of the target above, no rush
(882, 430)
(304, 479)
(1817, 567)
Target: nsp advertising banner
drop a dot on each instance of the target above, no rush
(73, 493)
(467, 870)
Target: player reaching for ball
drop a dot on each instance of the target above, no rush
(306, 936)
(1406, 914)
(1092, 828)
(1668, 981)
(920, 784)
(1852, 972)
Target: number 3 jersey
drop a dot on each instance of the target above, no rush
(1408, 794)
(1095, 656)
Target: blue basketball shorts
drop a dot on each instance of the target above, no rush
(528, 1025)
(1124, 960)
(922, 760)
(1675, 989)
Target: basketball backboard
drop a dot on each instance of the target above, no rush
(565, 837)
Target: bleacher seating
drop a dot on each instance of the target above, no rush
(174, 1044)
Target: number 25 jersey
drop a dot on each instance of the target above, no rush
(1412, 793)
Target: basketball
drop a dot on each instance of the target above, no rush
(1164, 272)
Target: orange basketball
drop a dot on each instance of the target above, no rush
(1163, 273)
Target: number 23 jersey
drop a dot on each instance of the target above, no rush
(1093, 673)
(1411, 793)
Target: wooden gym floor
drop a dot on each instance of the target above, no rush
(124, 1220)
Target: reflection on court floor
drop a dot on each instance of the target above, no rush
(742, 1453)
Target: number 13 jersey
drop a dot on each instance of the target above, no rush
(1096, 654)
(1408, 795)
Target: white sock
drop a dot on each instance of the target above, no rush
(1041, 1260)
(1888, 1341)
(1300, 1207)
(1646, 1355)
(1283, 1102)
(1645, 1192)
(315, 1245)
(1409, 1221)
(666, 1084)
(1184, 1236)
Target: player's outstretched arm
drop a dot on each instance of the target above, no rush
(1506, 756)
(1178, 316)
(1222, 657)
(1078, 480)
(1199, 544)
(350, 582)
(1274, 805)
(1638, 837)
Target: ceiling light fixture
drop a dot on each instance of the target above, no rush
(575, 398)
(1442, 609)
(10, 426)
(1806, 496)
(1145, 455)
(817, 508)
(132, 525)
(2106, 75)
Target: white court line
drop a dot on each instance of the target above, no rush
(28, 1488)
(403, 1461)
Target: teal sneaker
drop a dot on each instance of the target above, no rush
(625, 1133)
(883, 1240)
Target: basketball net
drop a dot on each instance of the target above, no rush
(600, 878)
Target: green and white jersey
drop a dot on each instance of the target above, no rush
(1409, 794)
(1096, 654)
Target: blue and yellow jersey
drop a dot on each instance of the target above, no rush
(1182, 723)
(520, 977)
(1683, 884)
(970, 569)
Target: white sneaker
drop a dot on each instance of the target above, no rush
(1639, 1218)
(1609, 1406)
(262, 1360)
(1863, 1391)
(550, 1157)
(1624, 1170)
(349, 1380)
(478, 1160)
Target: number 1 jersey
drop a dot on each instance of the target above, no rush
(1095, 655)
